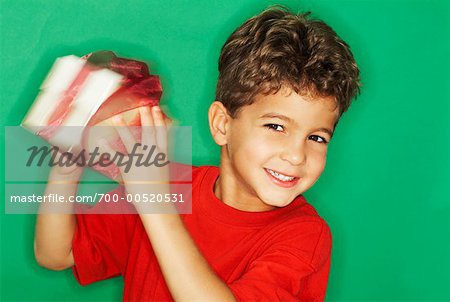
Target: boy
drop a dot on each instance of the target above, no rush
(284, 81)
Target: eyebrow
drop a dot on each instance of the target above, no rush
(289, 120)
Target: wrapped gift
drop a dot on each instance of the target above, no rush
(79, 93)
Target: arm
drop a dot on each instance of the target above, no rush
(186, 272)
(54, 231)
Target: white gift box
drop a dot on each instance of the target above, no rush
(89, 93)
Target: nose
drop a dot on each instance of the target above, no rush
(294, 152)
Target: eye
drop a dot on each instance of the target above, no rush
(318, 139)
(275, 127)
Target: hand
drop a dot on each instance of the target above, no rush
(140, 179)
(72, 172)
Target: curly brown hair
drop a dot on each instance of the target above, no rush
(279, 48)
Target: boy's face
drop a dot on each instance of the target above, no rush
(274, 150)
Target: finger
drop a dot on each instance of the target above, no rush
(160, 128)
(169, 131)
(148, 133)
(124, 132)
(168, 121)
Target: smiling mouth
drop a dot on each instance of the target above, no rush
(280, 176)
(281, 179)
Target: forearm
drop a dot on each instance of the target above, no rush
(187, 273)
(55, 223)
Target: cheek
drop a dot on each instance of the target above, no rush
(249, 145)
(316, 162)
(241, 145)
(253, 150)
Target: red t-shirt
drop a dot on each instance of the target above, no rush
(278, 255)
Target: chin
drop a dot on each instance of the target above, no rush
(277, 200)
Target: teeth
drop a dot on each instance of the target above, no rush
(280, 176)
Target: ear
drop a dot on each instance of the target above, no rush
(219, 120)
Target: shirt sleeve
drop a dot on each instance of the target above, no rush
(101, 241)
(293, 269)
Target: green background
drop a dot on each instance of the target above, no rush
(385, 192)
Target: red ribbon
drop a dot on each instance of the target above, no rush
(138, 89)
